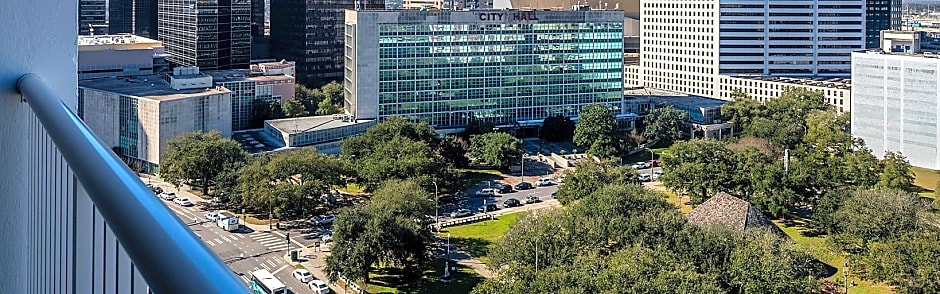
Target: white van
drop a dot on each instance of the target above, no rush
(227, 221)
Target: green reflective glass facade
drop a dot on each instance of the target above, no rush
(448, 74)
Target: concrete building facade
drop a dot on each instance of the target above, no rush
(263, 83)
(137, 116)
(449, 67)
(119, 55)
(837, 91)
(896, 104)
(686, 45)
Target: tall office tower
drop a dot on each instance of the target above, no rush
(257, 18)
(447, 68)
(138, 17)
(881, 15)
(207, 34)
(90, 12)
(310, 32)
(687, 45)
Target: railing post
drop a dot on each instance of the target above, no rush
(167, 254)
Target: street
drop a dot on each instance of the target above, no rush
(247, 249)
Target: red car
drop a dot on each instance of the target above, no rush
(652, 163)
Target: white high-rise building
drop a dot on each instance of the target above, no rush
(687, 45)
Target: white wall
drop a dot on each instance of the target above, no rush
(41, 39)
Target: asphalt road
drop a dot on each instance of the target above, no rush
(245, 250)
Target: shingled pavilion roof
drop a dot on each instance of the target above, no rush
(724, 209)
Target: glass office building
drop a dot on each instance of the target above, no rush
(505, 67)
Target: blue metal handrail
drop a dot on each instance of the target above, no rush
(168, 255)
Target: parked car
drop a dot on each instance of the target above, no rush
(319, 287)
(488, 208)
(155, 189)
(327, 238)
(524, 186)
(503, 189)
(532, 198)
(486, 192)
(555, 195)
(212, 215)
(645, 178)
(652, 163)
(657, 174)
(182, 202)
(324, 219)
(303, 275)
(561, 179)
(544, 182)
(168, 196)
(639, 165)
(461, 213)
(511, 202)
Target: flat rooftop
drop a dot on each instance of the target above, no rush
(826, 82)
(311, 123)
(235, 75)
(149, 86)
(114, 40)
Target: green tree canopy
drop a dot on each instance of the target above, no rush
(294, 108)
(742, 110)
(591, 176)
(453, 150)
(698, 167)
(497, 149)
(384, 232)
(896, 172)
(665, 123)
(596, 130)
(326, 107)
(910, 263)
(288, 182)
(199, 157)
(397, 149)
(879, 214)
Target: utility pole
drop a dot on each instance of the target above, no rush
(845, 275)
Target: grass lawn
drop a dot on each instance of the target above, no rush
(470, 177)
(817, 247)
(352, 188)
(476, 238)
(388, 281)
(658, 151)
(684, 207)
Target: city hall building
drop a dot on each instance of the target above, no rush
(501, 66)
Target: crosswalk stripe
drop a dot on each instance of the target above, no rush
(218, 241)
(210, 243)
(265, 267)
(266, 238)
(226, 239)
(271, 263)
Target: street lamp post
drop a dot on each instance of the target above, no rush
(522, 165)
(652, 158)
(447, 261)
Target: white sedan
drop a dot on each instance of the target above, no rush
(319, 287)
(182, 201)
(212, 215)
(303, 275)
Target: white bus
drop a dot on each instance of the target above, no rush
(263, 282)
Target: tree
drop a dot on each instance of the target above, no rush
(896, 172)
(497, 149)
(453, 150)
(698, 167)
(908, 263)
(742, 110)
(385, 131)
(558, 128)
(334, 91)
(596, 129)
(478, 127)
(199, 157)
(294, 108)
(877, 215)
(383, 232)
(262, 111)
(397, 149)
(665, 123)
(308, 97)
(326, 107)
(590, 176)
(285, 182)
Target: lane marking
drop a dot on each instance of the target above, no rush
(210, 243)
(292, 240)
(271, 263)
(283, 267)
